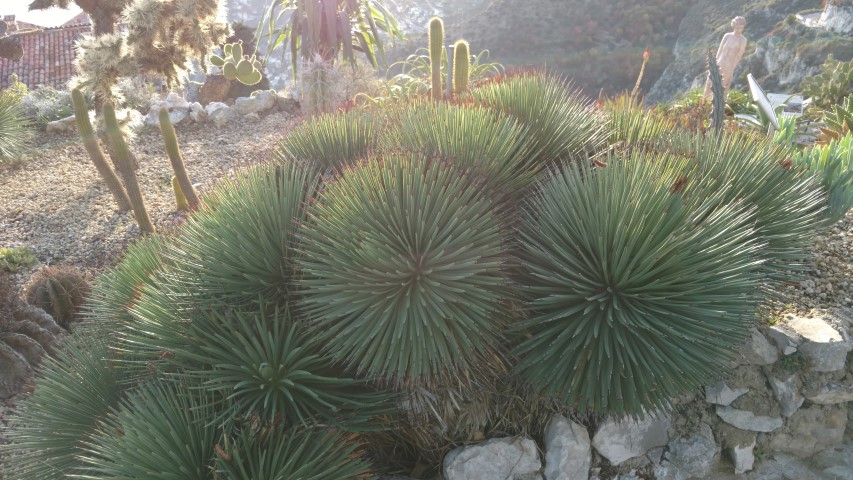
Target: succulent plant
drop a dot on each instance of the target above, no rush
(236, 66)
(461, 67)
(181, 178)
(126, 164)
(718, 111)
(90, 141)
(15, 129)
(76, 388)
(27, 333)
(832, 163)
(634, 297)
(831, 85)
(561, 126)
(838, 120)
(402, 271)
(436, 53)
(60, 291)
(332, 141)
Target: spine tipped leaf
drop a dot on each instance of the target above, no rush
(634, 298)
(332, 141)
(402, 270)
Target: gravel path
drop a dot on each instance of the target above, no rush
(55, 203)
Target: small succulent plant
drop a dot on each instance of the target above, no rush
(60, 291)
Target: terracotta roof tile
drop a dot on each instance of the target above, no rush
(48, 57)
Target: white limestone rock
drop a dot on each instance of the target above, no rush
(567, 450)
(67, 124)
(758, 351)
(619, 440)
(743, 457)
(785, 339)
(213, 107)
(689, 457)
(787, 394)
(746, 420)
(512, 458)
(831, 394)
(722, 394)
(811, 430)
(823, 345)
(260, 101)
(197, 113)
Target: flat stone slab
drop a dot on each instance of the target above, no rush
(831, 394)
(512, 458)
(823, 346)
(567, 450)
(619, 440)
(722, 394)
(746, 420)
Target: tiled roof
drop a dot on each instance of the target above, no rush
(80, 19)
(48, 57)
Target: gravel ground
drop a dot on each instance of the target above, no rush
(55, 203)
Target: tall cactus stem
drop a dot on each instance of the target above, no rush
(718, 112)
(436, 48)
(90, 141)
(180, 199)
(170, 138)
(461, 67)
(126, 163)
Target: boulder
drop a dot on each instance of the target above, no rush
(619, 440)
(743, 457)
(831, 394)
(746, 420)
(567, 450)
(785, 339)
(721, 394)
(260, 101)
(67, 124)
(823, 345)
(512, 458)
(758, 351)
(811, 430)
(178, 115)
(787, 394)
(197, 112)
(214, 106)
(689, 457)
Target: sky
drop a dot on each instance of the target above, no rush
(44, 18)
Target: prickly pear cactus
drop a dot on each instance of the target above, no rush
(718, 112)
(436, 48)
(60, 291)
(236, 66)
(27, 333)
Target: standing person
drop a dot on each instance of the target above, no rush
(729, 54)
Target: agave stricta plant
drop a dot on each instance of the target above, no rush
(402, 273)
(634, 297)
(561, 125)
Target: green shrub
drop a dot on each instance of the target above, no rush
(46, 104)
(635, 298)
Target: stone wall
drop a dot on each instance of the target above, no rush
(782, 412)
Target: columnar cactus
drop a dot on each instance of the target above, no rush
(718, 113)
(436, 48)
(170, 138)
(461, 67)
(181, 202)
(90, 141)
(126, 163)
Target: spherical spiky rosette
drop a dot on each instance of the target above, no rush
(635, 298)
(402, 269)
